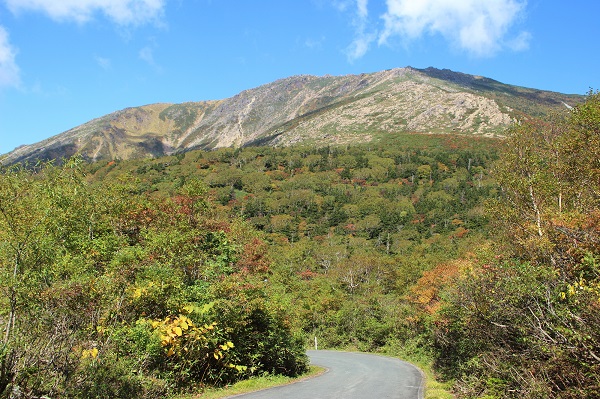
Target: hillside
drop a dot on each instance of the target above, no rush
(150, 278)
(306, 109)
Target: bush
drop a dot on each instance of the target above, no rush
(110, 377)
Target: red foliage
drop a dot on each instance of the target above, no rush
(254, 257)
(185, 204)
(307, 275)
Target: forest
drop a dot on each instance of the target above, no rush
(151, 277)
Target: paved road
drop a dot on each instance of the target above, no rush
(352, 376)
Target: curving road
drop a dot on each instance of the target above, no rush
(352, 375)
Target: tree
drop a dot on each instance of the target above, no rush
(100, 286)
(45, 226)
(532, 307)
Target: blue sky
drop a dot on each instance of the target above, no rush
(64, 62)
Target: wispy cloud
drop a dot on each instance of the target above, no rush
(364, 35)
(312, 43)
(360, 46)
(122, 12)
(125, 13)
(103, 62)
(146, 54)
(521, 42)
(10, 75)
(342, 5)
(475, 26)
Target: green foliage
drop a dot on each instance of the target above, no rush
(95, 276)
(183, 115)
(286, 244)
(166, 275)
(347, 243)
(525, 323)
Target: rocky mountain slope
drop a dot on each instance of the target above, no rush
(309, 109)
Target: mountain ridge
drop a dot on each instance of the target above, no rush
(318, 110)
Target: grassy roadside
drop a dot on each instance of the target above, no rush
(251, 385)
(433, 388)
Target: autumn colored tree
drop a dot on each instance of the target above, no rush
(107, 290)
(524, 322)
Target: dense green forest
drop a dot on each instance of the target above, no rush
(149, 277)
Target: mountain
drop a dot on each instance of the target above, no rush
(307, 109)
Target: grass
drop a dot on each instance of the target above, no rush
(435, 389)
(251, 385)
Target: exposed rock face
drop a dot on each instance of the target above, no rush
(316, 110)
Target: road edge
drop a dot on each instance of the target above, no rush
(323, 370)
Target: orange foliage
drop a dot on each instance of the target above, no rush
(425, 293)
(460, 232)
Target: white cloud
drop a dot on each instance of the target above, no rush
(123, 12)
(147, 54)
(521, 42)
(363, 36)
(103, 62)
(9, 71)
(478, 27)
(360, 45)
(363, 11)
(342, 5)
(312, 43)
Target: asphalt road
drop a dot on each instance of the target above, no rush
(352, 375)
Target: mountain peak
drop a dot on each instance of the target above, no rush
(325, 110)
